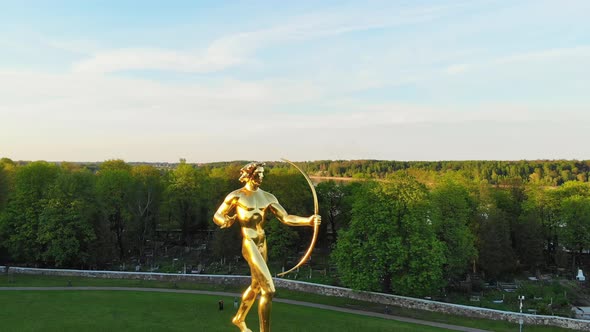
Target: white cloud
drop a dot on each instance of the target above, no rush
(546, 55)
(97, 117)
(84, 47)
(565, 55)
(235, 49)
(156, 59)
(457, 68)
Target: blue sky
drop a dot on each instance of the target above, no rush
(213, 81)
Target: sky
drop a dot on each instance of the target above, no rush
(208, 81)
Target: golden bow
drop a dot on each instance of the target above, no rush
(316, 226)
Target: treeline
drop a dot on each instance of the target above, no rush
(405, 237)
(414, 232)
(547, 172)
(70, 216)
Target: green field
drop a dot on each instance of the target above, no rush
(10, 299)
(146, 311)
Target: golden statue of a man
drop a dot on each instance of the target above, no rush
(249, 205)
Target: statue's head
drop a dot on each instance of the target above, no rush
(252, 172)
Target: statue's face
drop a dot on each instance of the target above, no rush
(258, 176)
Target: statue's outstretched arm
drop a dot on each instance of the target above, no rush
(289, 219)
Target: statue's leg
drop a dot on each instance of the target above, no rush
(267, 291)
(261, 279)
(256, 262)
(248, 299)
(264, 307)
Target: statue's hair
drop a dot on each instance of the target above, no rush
(247, 171)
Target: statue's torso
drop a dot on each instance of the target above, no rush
(251, 209)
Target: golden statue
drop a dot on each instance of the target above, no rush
(249, 206)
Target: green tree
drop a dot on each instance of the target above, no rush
(542, 205)
(4, 189)
(366, 249)
(21, 220)
(331, 200)
(281, 241)
(7, 170)
(114, 191)
(115, 164)
(66, 222)
(217, 183)
(451, 211)
(390, 244)
(545, 205)
(293, 193)
(575, 227)
(291, 189)
(529, 242)
(572, 188)
(146, 197)
(227, 243)
(496, 257)
(183, 205)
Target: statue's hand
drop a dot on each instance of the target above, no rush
(229, 220)
(316, 219)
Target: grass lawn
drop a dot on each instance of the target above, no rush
(141, 311)
(492, 325)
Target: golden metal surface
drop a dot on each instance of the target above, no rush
(316, 227)
(249, 205)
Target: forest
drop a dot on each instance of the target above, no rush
(409, 228)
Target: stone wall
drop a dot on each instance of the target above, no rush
(167, 277)
(454, 309)
(385, 299)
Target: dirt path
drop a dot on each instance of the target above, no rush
(293, 302)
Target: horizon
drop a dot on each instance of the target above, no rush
(377, 80)
(298, 161)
